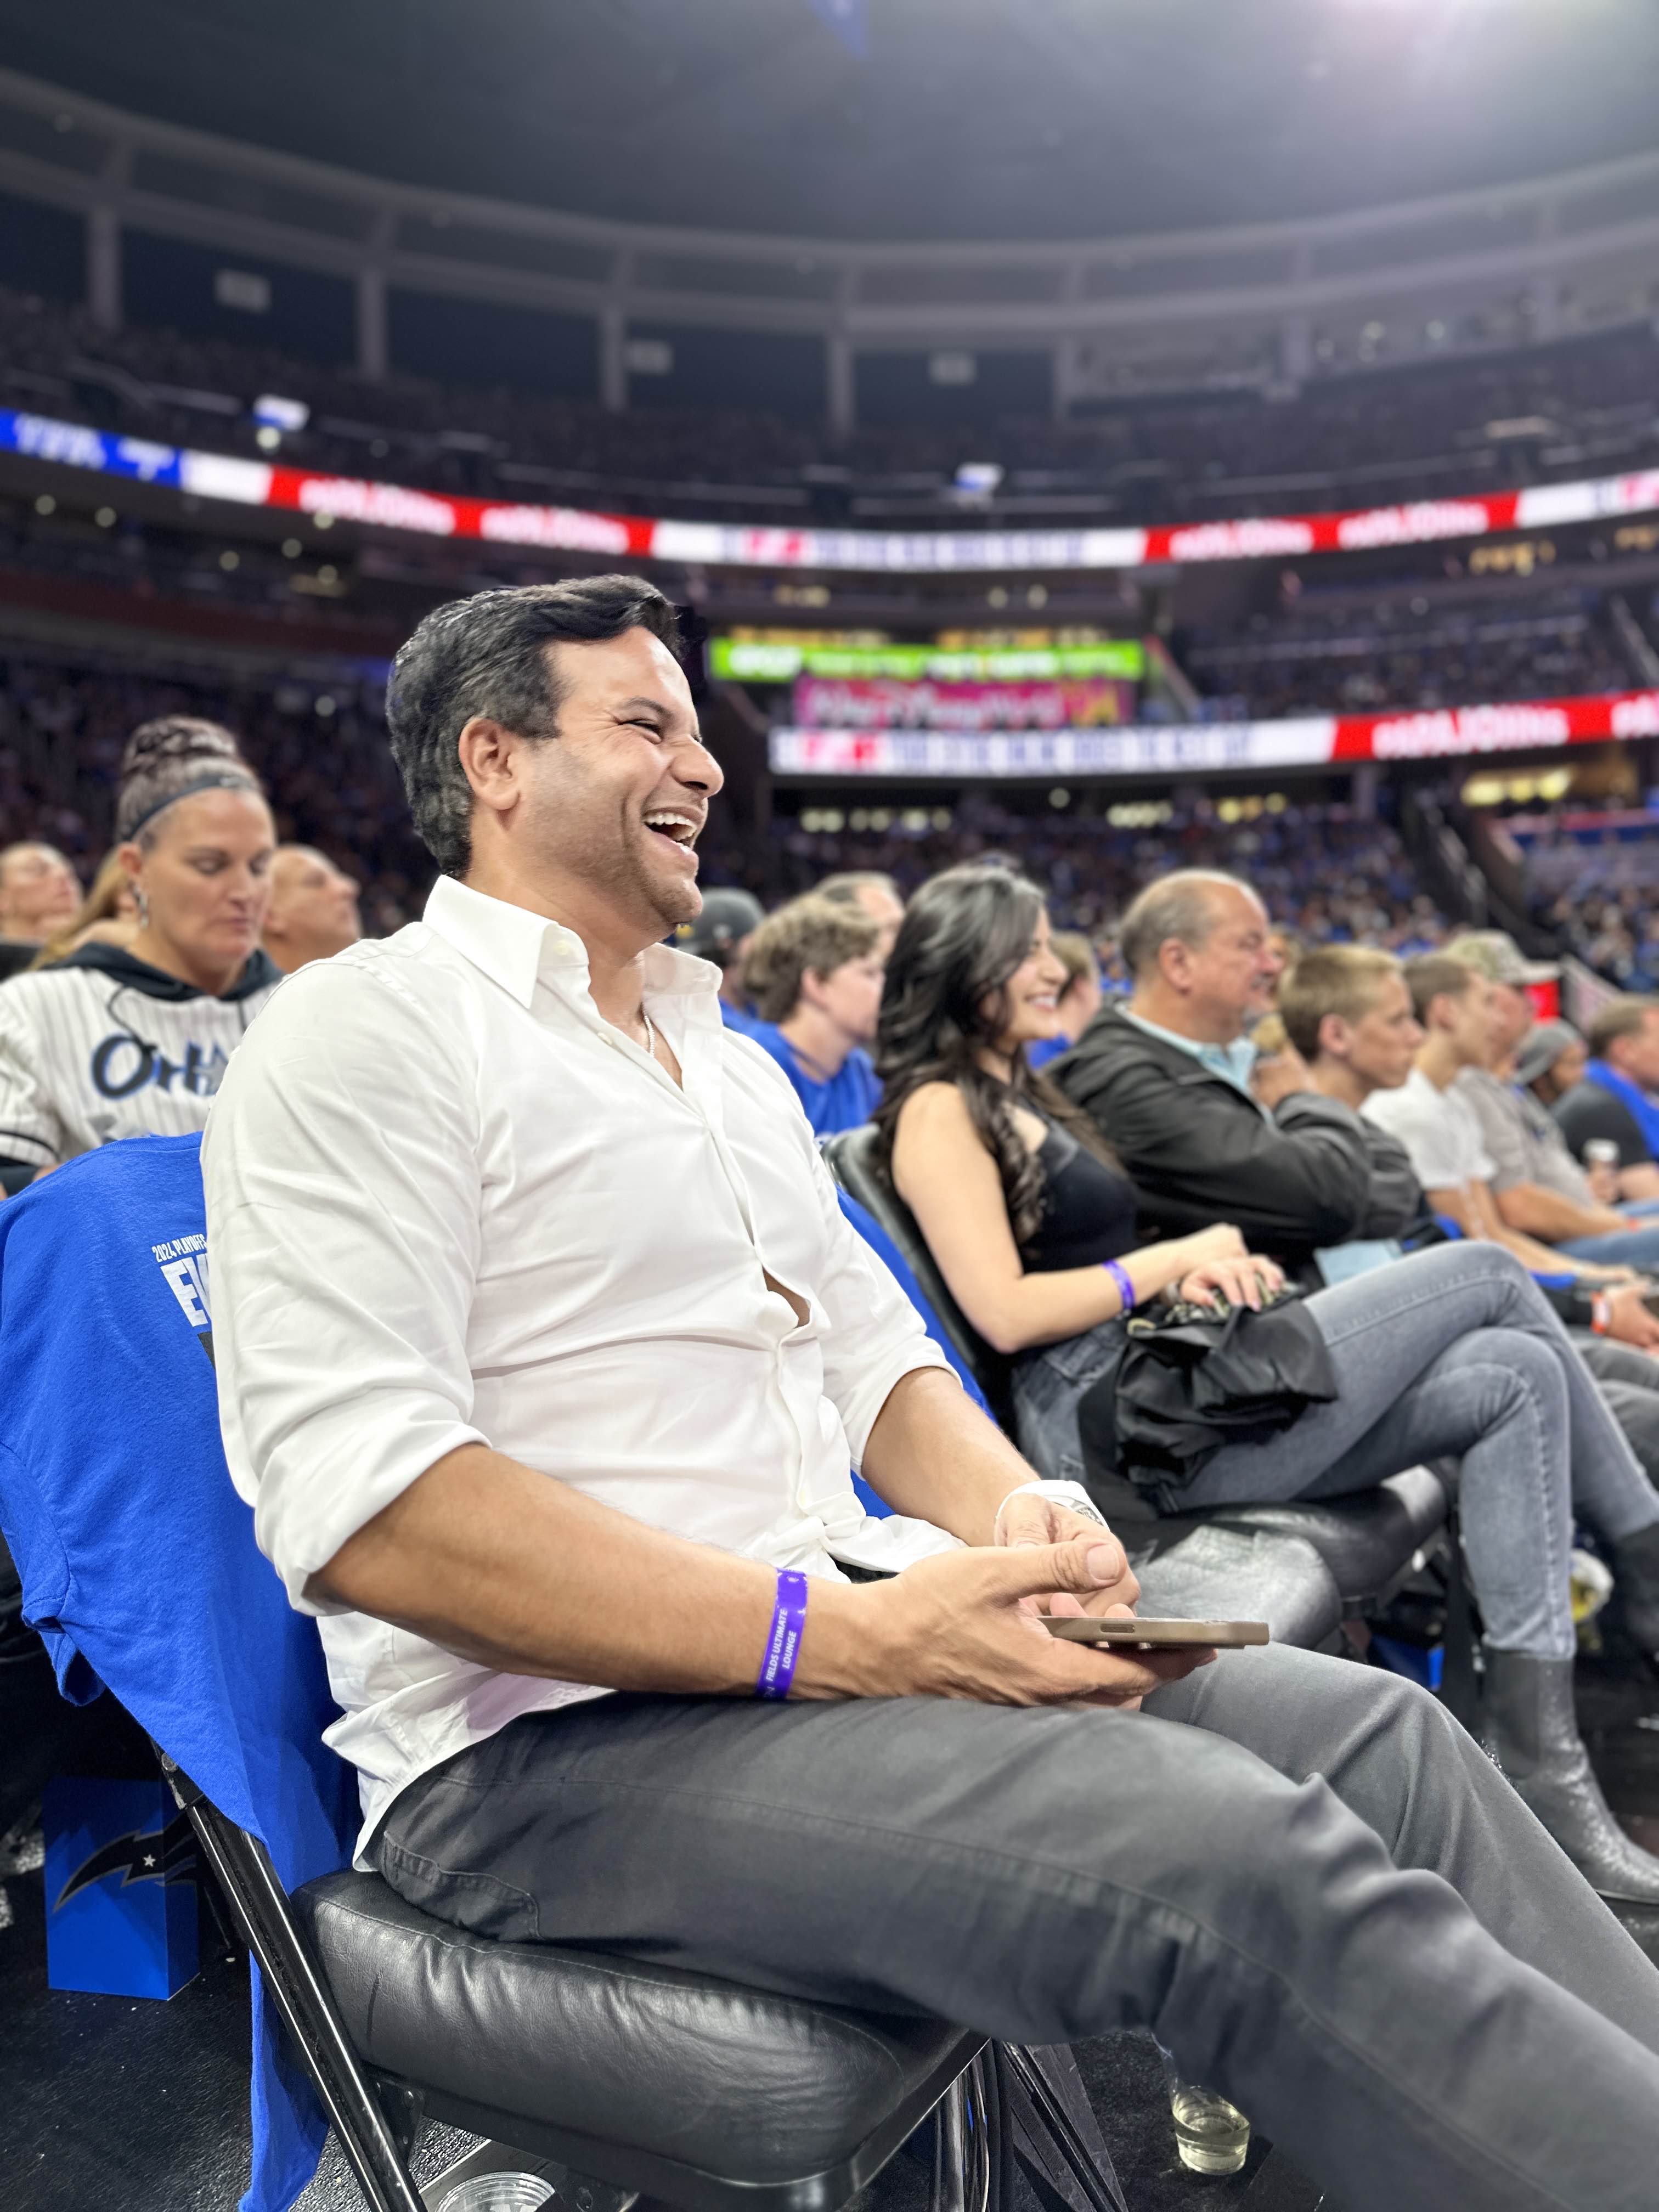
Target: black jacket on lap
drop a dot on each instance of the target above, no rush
(1198, 1150)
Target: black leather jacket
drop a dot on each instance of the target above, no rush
(1198, 1150)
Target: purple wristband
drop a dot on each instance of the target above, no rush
(1126, 1289)
(783, 1637)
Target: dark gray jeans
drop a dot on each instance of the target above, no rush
(1452, 1353)
(1298, 1872)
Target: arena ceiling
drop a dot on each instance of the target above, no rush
(870, 119)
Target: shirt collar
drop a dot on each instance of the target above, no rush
(1231, 1063)
(516, 949)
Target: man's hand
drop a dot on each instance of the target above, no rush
(1280, 1073)
(1629, 1320)
(1029, 1517)
(965, 1625)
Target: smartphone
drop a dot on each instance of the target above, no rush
(1164, 1635)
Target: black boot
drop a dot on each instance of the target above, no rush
(1636, 1572)
(1532, 1731)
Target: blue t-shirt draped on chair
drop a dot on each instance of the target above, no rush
(137, 1558)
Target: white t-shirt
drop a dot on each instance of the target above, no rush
(104, 1046)
(1438, 1129)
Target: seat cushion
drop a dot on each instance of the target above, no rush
(759, 2089)
(1214, 1573)
(1368, 1540)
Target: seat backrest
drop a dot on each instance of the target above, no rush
(137, 1558)
(854, 1159)
(899, 1267)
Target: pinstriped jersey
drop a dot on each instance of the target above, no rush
(104, 1046)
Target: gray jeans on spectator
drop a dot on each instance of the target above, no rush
(1629, 1382)
(1616, 1248)
(1299, 1873)
(1451, 1354)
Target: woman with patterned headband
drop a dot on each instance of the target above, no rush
(125, 1041)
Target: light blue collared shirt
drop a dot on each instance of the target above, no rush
(1231, 1063)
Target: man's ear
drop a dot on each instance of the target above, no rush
(1335, 1037)
(1175, 963)
(492, 761)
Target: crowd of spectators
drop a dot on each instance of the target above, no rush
(1408, 651)
(1326, 873)
(1472, 424)
(1169, 1148)
(1615, 932)
(353, 1180)
(1590, 878)
(321, 754)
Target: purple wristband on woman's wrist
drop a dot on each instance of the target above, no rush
(1126, 1289)
(783, 1637)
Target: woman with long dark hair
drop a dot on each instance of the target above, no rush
(1450, 1353)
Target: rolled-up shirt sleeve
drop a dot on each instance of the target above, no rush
(341, 1168)
(872, 1335)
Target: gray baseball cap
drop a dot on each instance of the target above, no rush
(1541, 1047)
(1494, 954)
(727, 917)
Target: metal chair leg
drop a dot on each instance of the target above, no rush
(1098, 2184)
(951, 2150)
(1460, 1687)
(307, 2010)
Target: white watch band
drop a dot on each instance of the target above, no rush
(1063, 1493)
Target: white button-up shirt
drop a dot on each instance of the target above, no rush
(448, 1203)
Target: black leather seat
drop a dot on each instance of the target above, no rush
(1214, 1573)
(1367, 1544)
(673, 2083)
(1369, 1541)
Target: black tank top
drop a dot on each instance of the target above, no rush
(1090, 1210)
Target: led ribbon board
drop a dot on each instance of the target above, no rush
(1309, 741)
(724, 544)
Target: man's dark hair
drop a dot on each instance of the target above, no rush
(488, 655)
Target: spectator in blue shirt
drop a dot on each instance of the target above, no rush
(1079, 1002)
(814, 971)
